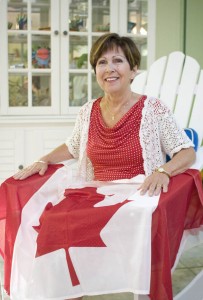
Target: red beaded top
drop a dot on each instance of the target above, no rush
(115, 152)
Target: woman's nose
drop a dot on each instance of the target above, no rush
(110, 66)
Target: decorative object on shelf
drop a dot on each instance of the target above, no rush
(104, 28)
(77, 24)
(10, 24)
(21, 22)
(17, 66)
(41, 57)
(131, 25)
(18, 93)
(82, 61)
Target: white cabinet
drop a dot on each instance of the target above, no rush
(45, 73)
(44, 61)
(21, 143)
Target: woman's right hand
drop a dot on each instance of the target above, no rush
(39, 167)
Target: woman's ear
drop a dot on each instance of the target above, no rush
(134, 72)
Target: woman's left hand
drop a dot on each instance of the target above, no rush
(154, 184)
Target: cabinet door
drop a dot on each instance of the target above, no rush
(81, 23)
(19, 147)
(40, 140)
(31, 82)
(11, 152)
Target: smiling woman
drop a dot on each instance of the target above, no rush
(115, 61)
(122, 136)
(122, 118)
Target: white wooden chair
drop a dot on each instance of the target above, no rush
(177, 80)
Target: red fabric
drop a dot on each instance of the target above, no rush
(116, 152)
(14, 194)
(181, 208)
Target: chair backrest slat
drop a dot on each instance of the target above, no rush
(196, 120)
(139, 83)
(186, 91)
(155, 77)
(172, 78)
(149, 83)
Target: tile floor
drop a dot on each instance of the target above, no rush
(190, 264)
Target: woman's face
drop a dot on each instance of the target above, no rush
(113, 71)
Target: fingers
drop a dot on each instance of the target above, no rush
(154, 184)
(35, 168)
(25, 173)
(165, 188)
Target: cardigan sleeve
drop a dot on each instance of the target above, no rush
(160, 134)
(73, 142)
(77, 142)
(173, 138)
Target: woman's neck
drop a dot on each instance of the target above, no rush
(118, 100)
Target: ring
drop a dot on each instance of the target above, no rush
(159, 185)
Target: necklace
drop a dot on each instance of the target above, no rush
(121, 109)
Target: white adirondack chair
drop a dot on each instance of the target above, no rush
(178, 81)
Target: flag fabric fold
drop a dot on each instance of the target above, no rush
(62, 237)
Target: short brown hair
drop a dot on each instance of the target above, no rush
(110, 41)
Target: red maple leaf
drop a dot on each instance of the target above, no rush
(74, 222)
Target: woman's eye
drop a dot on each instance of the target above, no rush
(101, 62)
(114, 61)
(118, 60)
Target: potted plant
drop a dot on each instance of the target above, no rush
(21, 22)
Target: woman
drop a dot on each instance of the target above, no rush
(137, 130)
(122, 126)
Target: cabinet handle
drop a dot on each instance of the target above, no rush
(56, 32)
(20, 167)
(65, 32)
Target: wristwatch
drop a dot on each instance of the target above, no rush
(161, 170)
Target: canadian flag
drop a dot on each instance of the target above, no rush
(76, 238)
(62, 237)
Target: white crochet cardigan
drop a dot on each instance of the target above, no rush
(159, 135)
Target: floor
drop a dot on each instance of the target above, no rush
(190, 264)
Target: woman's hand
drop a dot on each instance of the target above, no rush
(154, 184)
(59, 154)
(158, 181)
(39, 167)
